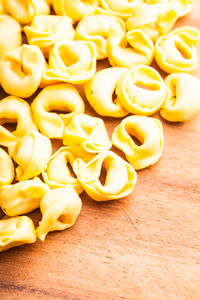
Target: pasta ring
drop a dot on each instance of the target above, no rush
(62, 97)
(120, 178)
(141, 90)
(7, 171)
(120, 8)
(148, 131)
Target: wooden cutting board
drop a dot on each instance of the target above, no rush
(146, 246)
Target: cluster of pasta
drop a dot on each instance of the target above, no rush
(62, 50)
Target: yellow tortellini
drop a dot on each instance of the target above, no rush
(22, 70)
(120, 176)
(99, 92)
(182, 102)
(72, 62)
(141, 90)
(10, 34)
(60, 97)
(16, 232)
(25, 10)
(96, 27)
(22, 197)
(120, 8)
(60, 209)
(45, 31)
(149, 134)
(88, 132)
(141, 50)
(177, 51)
(14, 110)
(75, 9)
(7, 171)
(58, 174)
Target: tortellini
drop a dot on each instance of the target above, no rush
(22, 70)
(22, 197)
(182, 102)
(88, 132)
(16, 232)
(99, 92)
(176, 52)
(15, 110)
(60, 209)
(75, 9)
(120, 176)
(72, 62)
(45, 31)
(10, 34)
(7, 171)
(31, 153)
(148, 132)
(60, 97)
(96, 27)
(25, 10)
(141, 90)
(58, 174)
(120, 8)
(141, 50)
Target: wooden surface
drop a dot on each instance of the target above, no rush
(146, 246)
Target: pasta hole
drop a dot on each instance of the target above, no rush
(58, 109)
(114, 97)
(184, 53)
(102, 177)
(65, 219)
(71, 170)
(136, 137)
(67, 56)
(11, 125)
(136, 140)
(148, 87)
(87, 129)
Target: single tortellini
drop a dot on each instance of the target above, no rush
(61, 97)
(120, 177)
(149, 134)
(10, 34)
(31, 153)
(22, 197)
(58, 174)
(15, 110)
(88, 132)
(96, 27)
(182, 101)
(141, 90)
(132, 49)
(177, 51)
(71, 62)
(60, 208)
(25, 10)
(45, 31)
(75, 9)
(22, 70)
(99, 92)
(7, 171)
(120, 8)
(16, 232)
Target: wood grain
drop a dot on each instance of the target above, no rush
(145, 246)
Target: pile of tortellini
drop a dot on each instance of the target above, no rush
(62, 51)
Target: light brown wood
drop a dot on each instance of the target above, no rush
(146, 246)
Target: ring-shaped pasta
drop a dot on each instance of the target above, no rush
(141, 90)
(132, 49)
(21, 70)
(120, 8)
(88, 132)
(45, 31)
(75, 9)
(16, 232)
(120, 176)
(182, 101)
(63, 97)
(25, 11)
(99, 92)
(71, 62)
(60, 209)
(15, 110)
(31, 153)
(96, 28)
(177, 51)
(7, 171)
(148, 132)
(22, 197)
(10, 34)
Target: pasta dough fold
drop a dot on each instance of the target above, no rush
(120, 8)
(7, 172)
